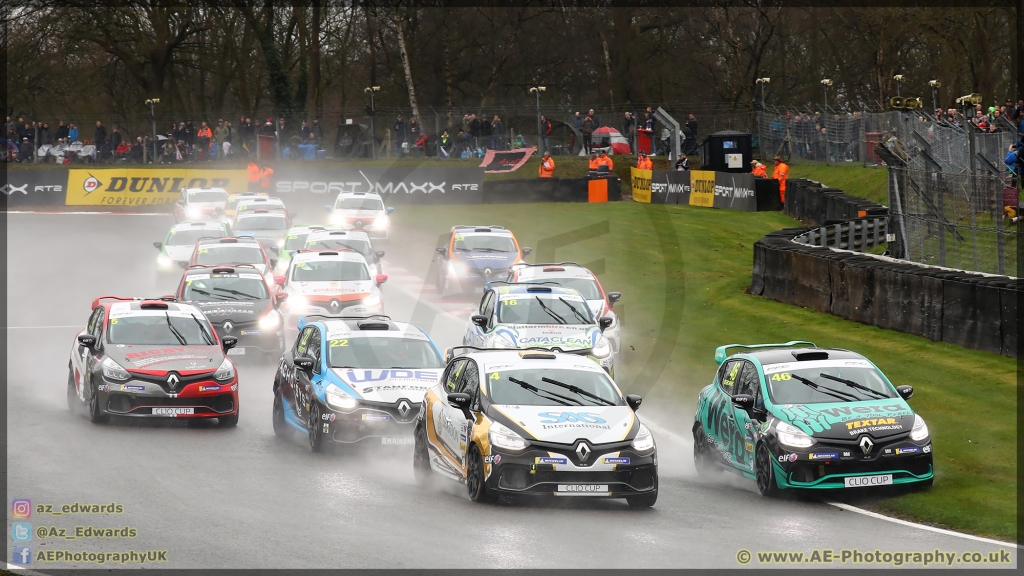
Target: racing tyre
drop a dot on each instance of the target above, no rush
(420, 457)
(73, 401)
(765, 472)
(478, 491)
(281, 428)
(228, 421)
(316, 438)
(96, 414)
(702, 458)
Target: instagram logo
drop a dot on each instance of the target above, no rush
(21, 508)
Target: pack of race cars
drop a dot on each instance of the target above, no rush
(527, 405)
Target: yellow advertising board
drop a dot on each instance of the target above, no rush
(702, 188)
(145, 186)
(640, 183)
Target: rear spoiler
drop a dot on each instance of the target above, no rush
(489, 284)
(721, 355)
(96, 301)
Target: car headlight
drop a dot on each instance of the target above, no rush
(114, 371)
(458, 268)
(164, 261)
(339, 399)
(194, 212)
(602, 349)
(225, 372)
(337, 217)
(270, 321)
(920, 430)
(381, 221)
(505, 438)
(372, 300)
(297, 303)
(792, 436)
(644, 440)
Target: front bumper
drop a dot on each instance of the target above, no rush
(557, 472)
(810, 471)
(371, 423)
(150, 398)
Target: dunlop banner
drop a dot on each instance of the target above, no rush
(702, 188)
(641, 185)
(144, 186)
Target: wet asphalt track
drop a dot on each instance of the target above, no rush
(240, 498)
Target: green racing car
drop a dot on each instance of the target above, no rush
(797, 416)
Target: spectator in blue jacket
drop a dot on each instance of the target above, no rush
(72, 132)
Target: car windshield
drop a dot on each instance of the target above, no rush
(361, 246)
(503, 390)
(154, 330)
(232, 202)
(208, 196)
(546, 309)
(261, 223)
(404, 353)
(330, 271)
(484, 243)
(786, 387)
(295, 241)
(359, 204)
(190, 237)
(587, 287)
(228, 254)
(226, 287)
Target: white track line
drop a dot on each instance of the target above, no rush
(91, 213)
(849, 508)
(22, 570)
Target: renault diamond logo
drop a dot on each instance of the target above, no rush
(172, 381)
(866, 444)
(488, 272)
(583, 451)
(403, 408)
(228, 326)
(335, 305)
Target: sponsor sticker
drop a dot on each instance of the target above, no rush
(328, 417)
(823, 456)
(549, 460)
(787, 457)
(615, 460)
(172, 412)
(908, 450)
(250, 332)
(927, 449)
(583, 488)
(376, 417)
(209, 388)
(132, 388)
(492, 459)
(861, 481)
(397, 440)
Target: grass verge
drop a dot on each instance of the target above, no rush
(869, 183)
(683, 272)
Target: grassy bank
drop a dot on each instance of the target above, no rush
(683, 272)
(869, 183)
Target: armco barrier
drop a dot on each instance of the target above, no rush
(967, 309)
(808, 201)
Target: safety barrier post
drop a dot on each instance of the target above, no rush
(998, 217)
(942, 214)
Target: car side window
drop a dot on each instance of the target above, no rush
(748, 381)
(489, 309)
(302, 342)
(470, 383)
(313, 349)
(93, 319)
(727, 376)
(451, 380)
(485, 301)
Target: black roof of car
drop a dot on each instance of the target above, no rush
(785, 355)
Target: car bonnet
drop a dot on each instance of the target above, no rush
(848, 420)
(158, 360)
(562, 336)
(566, 424)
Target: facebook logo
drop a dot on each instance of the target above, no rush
(21, 532)
(21, 555)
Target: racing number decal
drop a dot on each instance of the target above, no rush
(511, 302)
(338, 343)
(781, 376)
(495, 376)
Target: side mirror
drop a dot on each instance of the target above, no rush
(279, 279)
(158, 245)
(442, 250)
(381, 278)
(390, 209)
(304, 363)
(460, 400)
(228, 342)
(905, 391)
(614, 297)
(87, 340)
(527, 250)
(328, 207)
(479, 319)
(183, 264)
(605, 322)
(744, 402)
(634, 401)
(380, 254)
(279, 298)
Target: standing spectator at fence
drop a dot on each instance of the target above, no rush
(221, 134)
(421, 144)
(547, 166)
(203, 138)
(595, 117)
(781, 173)
(400, 131)
(115, 139)
(62, 131)
(414, 129)
(135, 155)
(189, 135)
(25, 151)
(101, 133)
(240, 135)
(72, 132)
(649, 119)
(474, 129)
(318, 132)
(545, 133)
(485, 132)
(628, 126)
(497, 134)
(577, 121)
(44, 134)
(587, 128)
(444, 144)
(759, 170)
(9, 125)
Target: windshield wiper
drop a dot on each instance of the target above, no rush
(181, 339)
(488, 250)
(844, 396)
(205, 293)
(206, 335)
(577, 390)
(549, 311)
(579, 315)
(853, 384)
(539, 392)
(229, 291)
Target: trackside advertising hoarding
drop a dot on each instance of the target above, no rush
(640, 183)
(396, 185)
(144, 186)
(34, 187)
(696, 188)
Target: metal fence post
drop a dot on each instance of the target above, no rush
(998, 217)
(942, 215)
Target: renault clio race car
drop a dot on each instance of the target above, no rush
(475, 255)
(151, 358)
(536, 423)
(268, 227)
(234, 199)
(294, 239)
(580, 279)
(330, 283)
(529, 315)
(230, 251)
(200, 204)
(353, 239)
(796, 416)
(361, 211)
(354, 380)
(180, 243)
(238, 303)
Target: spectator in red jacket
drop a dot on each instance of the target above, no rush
(545, 133)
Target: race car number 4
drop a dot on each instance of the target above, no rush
(858, 481)
(583, 488)
(172, 411)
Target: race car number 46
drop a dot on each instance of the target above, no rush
(858, 481)
(172, 412)
(583, 488)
